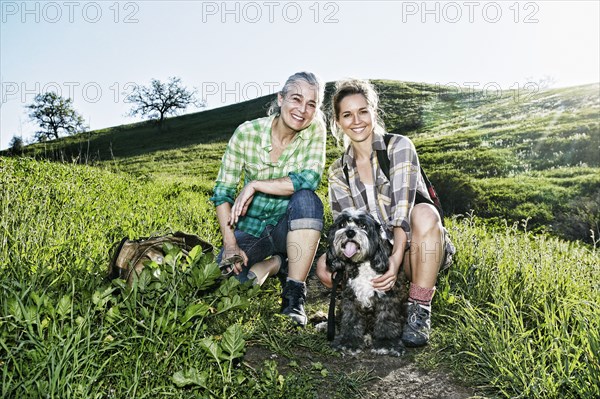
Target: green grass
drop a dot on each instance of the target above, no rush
(517, 315)
(67, 332)
(521, 313)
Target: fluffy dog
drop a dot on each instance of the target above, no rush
(357, 249)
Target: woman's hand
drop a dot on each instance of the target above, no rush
(229, 252)
(386, 281)
(242, 202)
(323, 274)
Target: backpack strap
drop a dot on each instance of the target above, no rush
(383, 158)
(345, 169)
(384, 164)
(433, 195)
(113, 270)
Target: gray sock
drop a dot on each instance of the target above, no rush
(252, 276)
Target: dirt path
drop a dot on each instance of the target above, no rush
(389, 377)
(401, 378)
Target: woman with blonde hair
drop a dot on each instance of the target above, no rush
(400, 203)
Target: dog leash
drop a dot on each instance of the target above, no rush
(331, 316)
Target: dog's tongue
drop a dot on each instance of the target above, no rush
(350, 249)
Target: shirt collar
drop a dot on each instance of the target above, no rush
(377, 144)
(266, 138)
(348, 159)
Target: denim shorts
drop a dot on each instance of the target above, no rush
(449, 251)
(304, 211)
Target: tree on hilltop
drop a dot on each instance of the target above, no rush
(54, 115)
(15, 147)
(162, 99)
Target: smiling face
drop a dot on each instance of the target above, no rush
(298, 105)
(356, 118)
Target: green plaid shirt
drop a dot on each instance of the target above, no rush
(247, 155)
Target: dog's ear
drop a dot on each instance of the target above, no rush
(333, 263)
(331, 233)
(380, 262)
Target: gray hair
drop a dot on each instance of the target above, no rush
(309, 78)
(345, 88)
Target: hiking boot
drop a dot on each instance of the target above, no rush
(417, 326)
(292, 303)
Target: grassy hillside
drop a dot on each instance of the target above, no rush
(510, 316)
(507, 156)
(517, 315)
(144, 138)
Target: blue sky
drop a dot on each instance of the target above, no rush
(94, 51)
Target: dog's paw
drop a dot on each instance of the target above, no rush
(345, 351)
(347, 348)
(397, 352)
(321, 327)
(388, 348)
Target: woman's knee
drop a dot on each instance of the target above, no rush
(305, 211)
(307, 200)
(425, 219)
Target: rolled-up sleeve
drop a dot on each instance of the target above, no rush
(306, 179)
(222, 194)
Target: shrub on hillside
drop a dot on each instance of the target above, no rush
(457, 191)
(581, 219)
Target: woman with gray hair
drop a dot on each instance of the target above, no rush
(273, 224)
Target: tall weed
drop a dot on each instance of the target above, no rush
(521, 312)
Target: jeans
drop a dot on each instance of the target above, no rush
(304, 211)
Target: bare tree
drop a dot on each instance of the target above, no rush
(54, 114)
(161, 99)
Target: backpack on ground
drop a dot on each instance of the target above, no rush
(129, 255)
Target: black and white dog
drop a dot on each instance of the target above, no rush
(357, 249)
